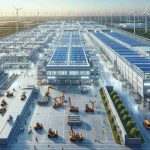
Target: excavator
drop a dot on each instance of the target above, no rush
(75, 136)
(9, 94)
(23, 96)
(58, 103)
(146, 123)
(38, 126)
(48, 91)
(72, 108)
(3, 103)
(52, 134)
(89, 109)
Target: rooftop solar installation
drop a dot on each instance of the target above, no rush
(77, 55)
(145, 69)
(143, 65)
(126, 39)
(60, 55)
(138, 57)
(127, 53)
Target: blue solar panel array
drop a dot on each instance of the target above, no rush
(131, 56)
(77, 55)
(126, 39)
(60, 55)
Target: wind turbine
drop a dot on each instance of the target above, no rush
(38, 13)
(146, 24)
(46, 16)
(17, 17)
(120, 17)
(112, 18)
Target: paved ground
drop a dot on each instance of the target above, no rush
(95, 126)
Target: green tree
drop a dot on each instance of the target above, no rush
(124, 112)
(115, 97)
(134, 132)
(117, 102)
(113, 93)
(125, 118)
(130, 124)
(120, 107)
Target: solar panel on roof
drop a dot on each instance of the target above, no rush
(122, 50)
(60, 55)
(77, 55)
(127, 39)
(145, 69)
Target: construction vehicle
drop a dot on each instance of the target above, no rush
(58, 103)
(47, 93)
(88, 108)
(72, 108)
(23, 96)
(38, 126)
(75, 136)
(9, 94)
(146, 123)
(3, 103)
(52, 134)
(60, 97)
(2, 110)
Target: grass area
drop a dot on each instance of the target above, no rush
(6, 32)
(140, 32)
(12, 30)
(111, 121)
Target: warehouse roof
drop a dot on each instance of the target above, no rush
(124, 52)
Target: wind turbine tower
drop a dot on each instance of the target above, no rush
(146, 14)
(38, 13)
(17, 17)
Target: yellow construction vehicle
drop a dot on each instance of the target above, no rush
(52, 134)
(72, 108)
(9, 94)
(38, 126)
(58, 103)
(75, 136)
(88, 108)
(146, 123)
(23, 96)
(3, 103)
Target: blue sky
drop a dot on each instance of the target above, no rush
(57, 7)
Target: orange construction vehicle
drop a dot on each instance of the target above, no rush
(23, 96)
(38, 126)
(58, 103)
(88, 108)
(60, 97)
(72, 108)
(75, 136)
(3, 103)
(9, 94)
(146, 123)
(52, 134)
